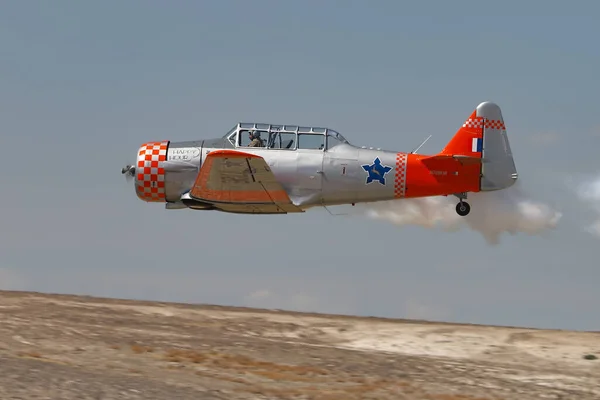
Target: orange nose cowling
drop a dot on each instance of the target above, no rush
(150, 171)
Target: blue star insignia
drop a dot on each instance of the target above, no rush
(376, 171)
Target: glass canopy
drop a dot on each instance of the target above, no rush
(285, 137)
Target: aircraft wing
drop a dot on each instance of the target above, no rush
(239, 182)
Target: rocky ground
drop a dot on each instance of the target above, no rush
(71, 347)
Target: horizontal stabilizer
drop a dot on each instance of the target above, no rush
(464, 160)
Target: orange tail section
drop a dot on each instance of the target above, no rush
(478, 157)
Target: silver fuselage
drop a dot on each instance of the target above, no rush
(311, 177)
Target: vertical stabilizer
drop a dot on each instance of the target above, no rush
(468, 140)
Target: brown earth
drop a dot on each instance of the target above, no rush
(73, 347)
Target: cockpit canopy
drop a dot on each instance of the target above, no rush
(285, 137)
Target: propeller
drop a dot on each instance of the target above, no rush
(129, 172)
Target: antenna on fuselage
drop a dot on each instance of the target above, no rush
(421, 145)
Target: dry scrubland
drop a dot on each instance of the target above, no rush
(71, 347)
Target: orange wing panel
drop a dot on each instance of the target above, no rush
(233, 177)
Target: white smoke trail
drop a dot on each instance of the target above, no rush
(492, 213)
(589, 192)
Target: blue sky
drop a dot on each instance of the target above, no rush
(83, 84)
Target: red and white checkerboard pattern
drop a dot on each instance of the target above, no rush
(150, 172)
(400, 178)
(477, 122)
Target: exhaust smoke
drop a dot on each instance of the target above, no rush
(492, 213)
(589, 193)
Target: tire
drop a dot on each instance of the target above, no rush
(463, 208)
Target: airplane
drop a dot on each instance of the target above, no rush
(295, 168)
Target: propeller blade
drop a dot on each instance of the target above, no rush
(129, 172)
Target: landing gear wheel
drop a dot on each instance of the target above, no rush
(463, 208)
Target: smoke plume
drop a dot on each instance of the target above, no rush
(589, 192)
(492, 213)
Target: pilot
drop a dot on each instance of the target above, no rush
(255, 140)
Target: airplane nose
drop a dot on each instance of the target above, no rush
(150, 171)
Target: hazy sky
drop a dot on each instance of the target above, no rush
(83, 84)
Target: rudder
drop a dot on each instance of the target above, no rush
(498, 169)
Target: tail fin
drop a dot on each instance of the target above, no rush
(468, 140)
(483, 136)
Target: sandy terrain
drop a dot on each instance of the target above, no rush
(70, 347)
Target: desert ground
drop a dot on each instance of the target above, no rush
(73, 347)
